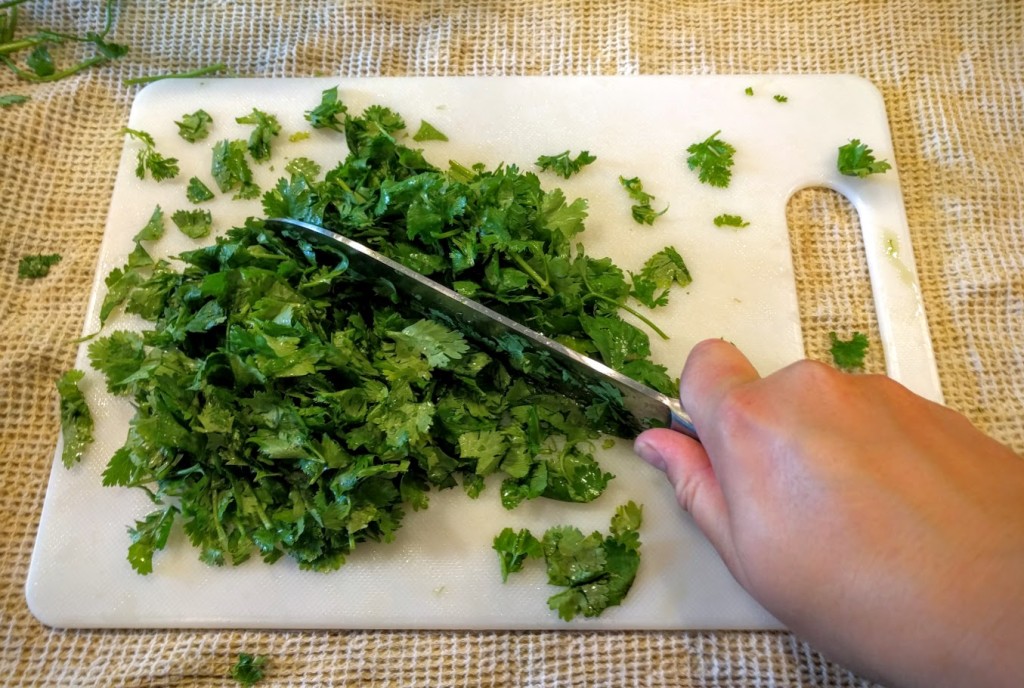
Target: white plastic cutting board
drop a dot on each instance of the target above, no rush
(441, 571)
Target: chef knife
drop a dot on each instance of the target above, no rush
(644, 407)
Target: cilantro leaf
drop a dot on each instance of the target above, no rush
(37, 265)
(76, 422)
(266, 128)
(514, 548)
(193, 223)
(712, 158)
(749, 90)
(195, 126)
(329, 114)
(148, 536)
(231, 171)
(197, 191)
(849, 354)
(563, 165)
(428, 132)
(153, 229)
(726, 220)
(148, 159)
(855, 159)
(248, 670)
(779, 98)
(40, 61)
(642, 211)
(597, 571)
(661, 271)
(436, 343)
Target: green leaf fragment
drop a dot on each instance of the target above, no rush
(154, 227)
(855, 159)
(642, 211)
(37, 265)
(712, 159)
(11, 99)
(249, 669)
(428, 132)
(849, 354)
(75, 418)
(726, 220)
(195, 126)
(563, 165)
(197, 191)
(193, 223)
(266, 127)
(149, 160)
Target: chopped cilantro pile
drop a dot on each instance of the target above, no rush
(287, 407)
(596, 570)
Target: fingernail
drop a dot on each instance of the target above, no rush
(648, 451)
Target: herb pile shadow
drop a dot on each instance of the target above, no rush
(287, 407)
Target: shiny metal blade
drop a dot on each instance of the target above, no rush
(645, 407)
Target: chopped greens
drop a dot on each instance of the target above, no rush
(75, 419)
(749, 90)
(428, 132)
(266, 128)
(596, 570)
(148, 159)
(196, 126)
(563, 165)
(855, 159)
(285, 406)
(849, 354)
(779, 98)
(642, 211)
(193, 223)
(197, 191)
(712, 158)
(248, 670)
(726, 220)
(36, 266)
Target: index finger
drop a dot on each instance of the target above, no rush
(713, 369)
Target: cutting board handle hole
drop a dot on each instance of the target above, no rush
(830, 268)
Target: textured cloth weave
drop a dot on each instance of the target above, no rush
(950, 73)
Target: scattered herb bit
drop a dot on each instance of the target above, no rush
(193, 223)
(779, 98)
(231, 170)
(190, 74)
(749, 90)
(37, 266)
(660, 273)
(596, 571)
(726, 220)
(712, 158)
(11, 99)
(563, 165)
(849, 354)
(513, 548)
(75, 419)
(148, 158)
(248, 670)
(857, 160)
(428, 132)
(197, 191)
(266, 128)
(153, 229)
(642, 211)
(196, 126)
(299, 136)
(40, 62)
(326, 115)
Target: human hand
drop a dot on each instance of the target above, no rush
(885, 529)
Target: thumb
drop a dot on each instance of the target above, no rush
(688, 469)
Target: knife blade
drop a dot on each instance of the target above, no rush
(643, 406)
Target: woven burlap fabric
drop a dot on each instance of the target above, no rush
(950, 73)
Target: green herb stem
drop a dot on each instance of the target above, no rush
(647, 321)
(540, 281)
(56, 76)
(202, 71)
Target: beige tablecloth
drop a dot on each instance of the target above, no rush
(950, 73)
